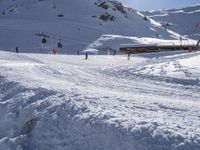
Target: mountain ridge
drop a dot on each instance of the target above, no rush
(181, 20)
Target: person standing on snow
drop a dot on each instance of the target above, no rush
(114, 53)
(86, 56)
(17, 49)
(129, 55)
(54, 51)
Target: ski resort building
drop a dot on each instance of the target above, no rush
(148, 48)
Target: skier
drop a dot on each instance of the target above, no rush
(114, 53)
(86, 56)
(78, 53)
(197, 25)
(129, 55)
(54, 51)
(17, 49)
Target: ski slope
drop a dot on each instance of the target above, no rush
(106, 102)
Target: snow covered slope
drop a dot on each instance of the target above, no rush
(106, 103)
(182, 21)
(76, 24)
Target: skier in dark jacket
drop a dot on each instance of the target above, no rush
(17, 49)
(114, 53)
(129, 55)
(86, 56)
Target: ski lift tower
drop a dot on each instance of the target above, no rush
(198, 45)
(181, 41)
(107, 47)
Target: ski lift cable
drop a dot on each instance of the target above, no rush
(35, 31)
(53, 36)
(65, 37)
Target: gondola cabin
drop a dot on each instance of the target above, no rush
(44, 40)
(59, 45)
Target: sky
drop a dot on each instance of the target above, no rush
(158, 4)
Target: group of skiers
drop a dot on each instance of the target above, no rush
(54, 51)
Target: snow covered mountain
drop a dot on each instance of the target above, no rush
(185, 21)
(77, 24)
(64, 102)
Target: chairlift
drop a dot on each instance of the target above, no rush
(60, 15)
(59, 45)
(145, 18)
(44, 40)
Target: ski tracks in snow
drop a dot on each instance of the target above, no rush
(110, 91)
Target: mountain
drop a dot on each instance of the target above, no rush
(185, 21)
(77, 25)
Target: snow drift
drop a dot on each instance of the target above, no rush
(107, 102)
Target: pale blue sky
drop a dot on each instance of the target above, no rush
(159, 4)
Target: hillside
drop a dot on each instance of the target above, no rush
(183, 21)
(76, 24)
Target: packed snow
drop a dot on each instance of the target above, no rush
(106, 102)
